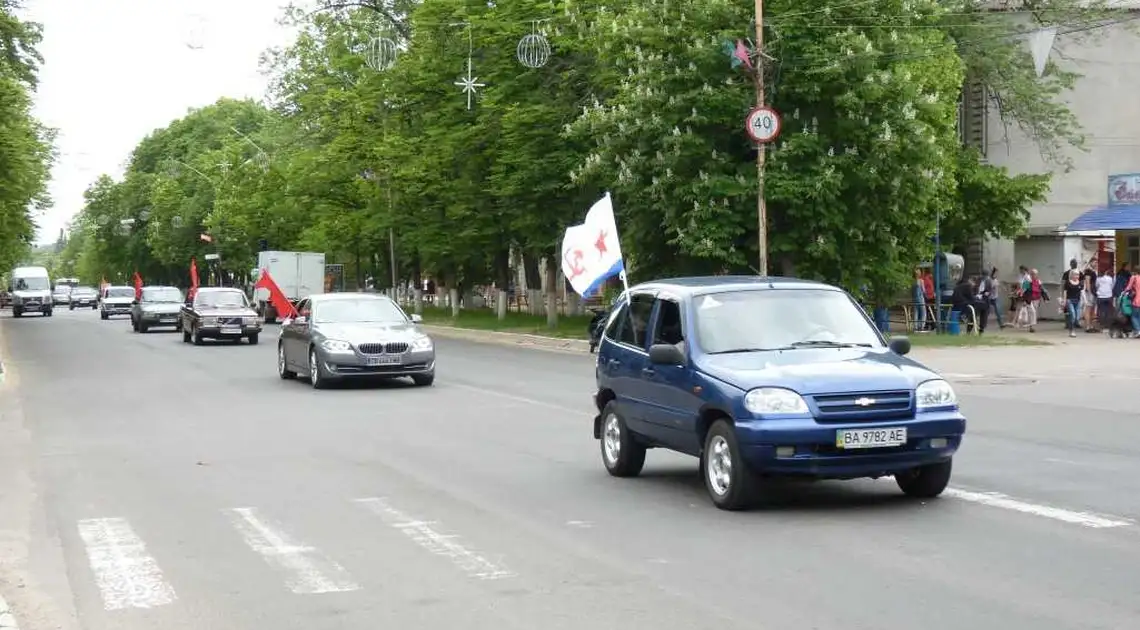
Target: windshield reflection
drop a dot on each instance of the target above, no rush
(164, 294)
(744, 321)
(358, 311)
(220, 299)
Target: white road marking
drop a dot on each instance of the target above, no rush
(998, 500)
(127, 576)
(7, 618)
(309, 571)
(580, 524)
(422, 533)
(522, 399)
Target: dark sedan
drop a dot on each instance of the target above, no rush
(84, 297)
(160, 306)
(219, 313)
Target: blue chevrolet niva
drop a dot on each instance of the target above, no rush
(766, 377)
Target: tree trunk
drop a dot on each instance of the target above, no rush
(533, 284)
(418, 287)
(503, 281)
(551, 293)
(453, 300)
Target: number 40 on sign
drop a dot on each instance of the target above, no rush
(762, 125)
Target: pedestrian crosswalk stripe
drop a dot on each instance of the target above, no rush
(309, 571)
(127, 576)
(426, 536)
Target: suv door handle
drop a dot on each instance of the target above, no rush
(648, 371)
(613, 364)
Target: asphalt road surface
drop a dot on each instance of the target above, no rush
(146, 483)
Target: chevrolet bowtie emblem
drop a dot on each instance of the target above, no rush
(864, 402)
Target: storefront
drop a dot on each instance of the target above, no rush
(1122, 215)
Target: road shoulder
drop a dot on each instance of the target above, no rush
(28, 546)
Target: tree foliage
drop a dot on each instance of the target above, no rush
(25, 144)
(641, 99)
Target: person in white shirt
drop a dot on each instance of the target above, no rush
(1104, 284)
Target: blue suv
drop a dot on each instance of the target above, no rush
(768, 377)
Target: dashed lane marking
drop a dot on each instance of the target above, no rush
(309, 571)
(427, 537)
(127, 576)
(999, 500)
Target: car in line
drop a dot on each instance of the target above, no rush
(116, 300)
(768, 377)
(30, 288)
(83, 297)
(337, 336)
(160, 306)
(61, 295)
(219, 313)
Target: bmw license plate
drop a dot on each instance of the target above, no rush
(167, 320)
(231, 330)
(384, 360)
(870, 438)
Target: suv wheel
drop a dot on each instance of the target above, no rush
(622, 455)
(729, 481)
(925, 482)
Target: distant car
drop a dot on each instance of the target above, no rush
(83, 297)
(349, 335)
(219, 313)
(764, 377)
(160, 306)
(116, 300)
(61, 295)
(5, 299)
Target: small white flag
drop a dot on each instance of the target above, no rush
(591, 251)
(1040, 45)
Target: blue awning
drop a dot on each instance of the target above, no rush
(1107, 218)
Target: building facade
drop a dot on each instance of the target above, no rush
(1106, 101)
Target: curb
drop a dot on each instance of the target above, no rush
(538, 342)
(7, 618)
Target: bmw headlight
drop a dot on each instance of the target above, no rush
(209, 321)
(775, 400)
(934, 394)
(422, 343)
(336, 345)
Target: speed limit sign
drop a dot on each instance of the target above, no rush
(762, 124)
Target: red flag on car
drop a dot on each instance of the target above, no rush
(138, 286)
(193, 277)
(276, 296)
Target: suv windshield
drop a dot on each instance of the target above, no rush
(743, 321)
(162, 294)
(83, 291)
(32, 284)
(363, 310)
(120, 292)
(220, 299)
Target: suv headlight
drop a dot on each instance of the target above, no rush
(934, 394)
(422, 343)
(775, 400)
(336, 345)
(209, 321)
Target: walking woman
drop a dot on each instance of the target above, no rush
(919, 299)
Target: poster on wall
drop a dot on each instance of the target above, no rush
(1124, 190)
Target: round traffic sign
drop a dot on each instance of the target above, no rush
(762, 124)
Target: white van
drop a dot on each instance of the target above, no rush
(31, 291)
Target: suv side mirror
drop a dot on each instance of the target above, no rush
(666, 354)
(417, 319)
(899, 345)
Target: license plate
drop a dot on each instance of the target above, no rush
(167, 320)
(384, 360)
(870, 438)
(231, 330)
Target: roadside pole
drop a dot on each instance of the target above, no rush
(761, 149)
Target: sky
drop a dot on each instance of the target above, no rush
(116, 70)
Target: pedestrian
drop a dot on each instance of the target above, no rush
(1122, 279)
(1021, 315)
(1088, 297)
(918, 293)
(993, 286)
(1132, 292)
(1033, 294)
(1071, 289)
(1104, 287)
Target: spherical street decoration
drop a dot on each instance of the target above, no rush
(176, 222)
(533, 50)
(381, 54)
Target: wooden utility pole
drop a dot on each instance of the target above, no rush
(762, 148)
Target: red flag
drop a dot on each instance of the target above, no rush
(138, 286)
(742, 53)
(276, 297)
(193, 277)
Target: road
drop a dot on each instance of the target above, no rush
(146, 483)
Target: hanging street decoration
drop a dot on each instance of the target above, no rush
(381, 53)
(739, 53)
(762, 125)
(533, 50)
(469, 84)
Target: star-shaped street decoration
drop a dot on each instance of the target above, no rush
(469, 84)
